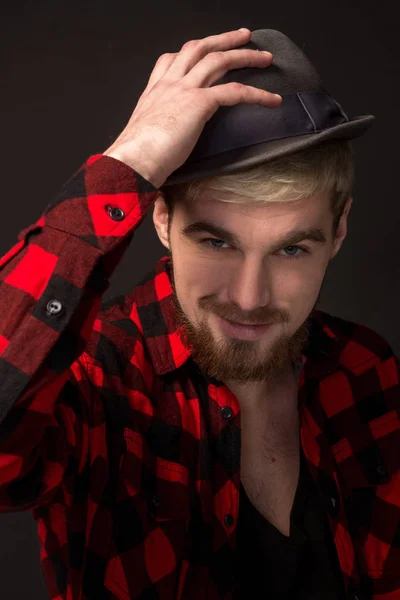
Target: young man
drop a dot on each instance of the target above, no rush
(212, 434)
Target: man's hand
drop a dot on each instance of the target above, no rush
(178, 101)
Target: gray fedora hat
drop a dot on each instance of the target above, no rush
(245, 135)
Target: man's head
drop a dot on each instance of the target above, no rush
(260, 269)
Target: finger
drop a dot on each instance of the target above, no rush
(216, 64)
(160, 68)
(228, 94)
(194, 50)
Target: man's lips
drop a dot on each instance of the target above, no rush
(246, 332)
(248, 324)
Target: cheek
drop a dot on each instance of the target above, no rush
(195, 280)
(297, 287)
(297, 277)
(202, 273)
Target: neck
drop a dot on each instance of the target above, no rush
(276, 396)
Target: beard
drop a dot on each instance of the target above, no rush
(234, 359)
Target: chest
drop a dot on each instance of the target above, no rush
(270, 466)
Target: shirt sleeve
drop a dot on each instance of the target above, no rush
(51, 284)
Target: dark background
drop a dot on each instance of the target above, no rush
(71, 74)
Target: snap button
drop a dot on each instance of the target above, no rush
(229, 520)
(382, 470)
(354, 593)
(333, 505)
(155, 501)
(54, 307)
(117, 214)
(226, 412)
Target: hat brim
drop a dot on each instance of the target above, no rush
(251, 156)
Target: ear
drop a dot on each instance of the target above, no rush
(160, 219)
(341, 231)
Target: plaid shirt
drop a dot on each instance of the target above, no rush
(129, 456)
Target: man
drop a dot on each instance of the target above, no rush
(212, 434)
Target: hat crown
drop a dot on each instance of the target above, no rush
(248, 134)
(291, 71)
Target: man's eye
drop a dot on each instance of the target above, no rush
(213, 243)
(205, 240)
(303, 251)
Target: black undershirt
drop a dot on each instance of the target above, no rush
(304, 565)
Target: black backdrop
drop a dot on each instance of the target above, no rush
(71, 73)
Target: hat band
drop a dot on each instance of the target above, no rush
(244, 124)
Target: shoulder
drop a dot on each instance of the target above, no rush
(360, 345)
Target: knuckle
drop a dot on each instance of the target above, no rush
(192, 96)
(240, 90)
(165, 57)
(190, 45)
(236, 86)
(209, 100)
(158, 86)
(216, 57)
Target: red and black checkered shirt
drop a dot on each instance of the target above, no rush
(129, 456)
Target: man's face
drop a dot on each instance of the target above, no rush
(257, 275)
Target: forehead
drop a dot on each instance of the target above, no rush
(261, 225)
(316, 208)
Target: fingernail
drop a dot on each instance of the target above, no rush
(266, 52)
(243, 29)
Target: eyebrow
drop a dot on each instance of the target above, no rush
(292, 237)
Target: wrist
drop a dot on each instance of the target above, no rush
(133, 160)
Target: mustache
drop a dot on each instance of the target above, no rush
(257, 317)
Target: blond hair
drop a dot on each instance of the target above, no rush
(326, 167)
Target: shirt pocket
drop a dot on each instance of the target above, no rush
(150, 522)
(369, 473)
